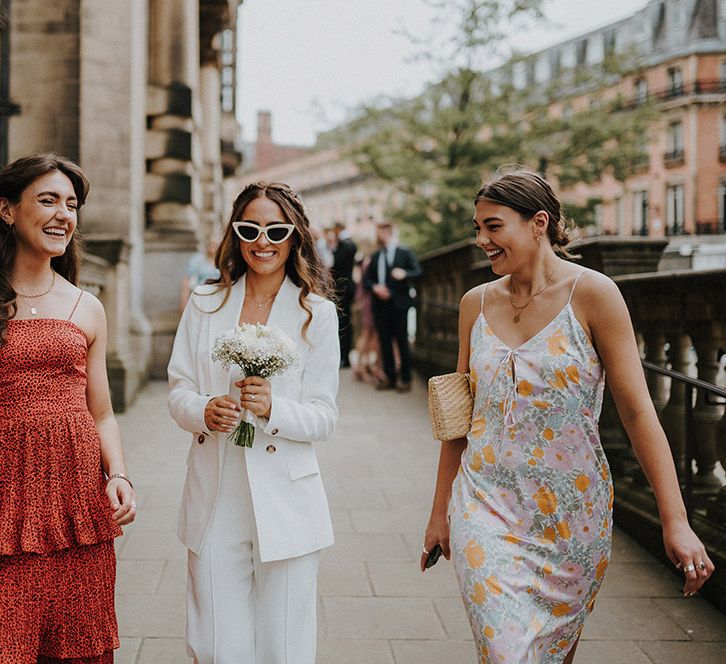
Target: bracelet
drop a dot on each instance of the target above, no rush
(119, 476)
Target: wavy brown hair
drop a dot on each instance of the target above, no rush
(527, 193)
(14, 180)
(303, 265)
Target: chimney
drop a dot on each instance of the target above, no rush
(264, 149)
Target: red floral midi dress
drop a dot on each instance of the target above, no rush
(57, 559)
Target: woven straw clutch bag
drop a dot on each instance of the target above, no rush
(450, 405)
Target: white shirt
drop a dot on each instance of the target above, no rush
(385, 258)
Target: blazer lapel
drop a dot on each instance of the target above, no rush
(221, 321)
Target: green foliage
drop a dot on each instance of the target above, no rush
(437, 147)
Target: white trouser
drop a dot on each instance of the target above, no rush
(239, 609)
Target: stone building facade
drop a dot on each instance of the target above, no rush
(141, 94)
(332, 188)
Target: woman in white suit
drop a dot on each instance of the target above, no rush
(255, 519)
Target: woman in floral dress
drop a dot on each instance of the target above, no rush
(524, 503)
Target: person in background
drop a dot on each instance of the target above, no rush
(344, 251)
(64, 492)
(524, 503)
(200, 269)
(367, 365)
(389, 278)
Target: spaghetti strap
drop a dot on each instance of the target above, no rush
(75, 305)
(481, 305)
(572, 292)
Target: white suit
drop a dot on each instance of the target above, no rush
(283, 496)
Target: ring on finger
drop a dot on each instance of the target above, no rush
(702, 566)
(252, 396)
(425, 550)
(689, 568)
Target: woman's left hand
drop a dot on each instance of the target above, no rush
(123, 500)
(256, 395)
(688, 554)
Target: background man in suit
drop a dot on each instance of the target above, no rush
(389, 276)
(344, 251)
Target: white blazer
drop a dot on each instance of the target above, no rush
(290, 506)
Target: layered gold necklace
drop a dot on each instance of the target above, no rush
(34, 310)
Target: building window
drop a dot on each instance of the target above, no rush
(608, 42)
(640, 217)
(675, 82)
(641, 90)
(722, 73)
(227, 58)
(619, 216)
(674, 151)
(722, 207)
(581, 57)
(674, 210)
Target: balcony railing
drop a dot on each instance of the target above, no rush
(674, 158)
(698, 87)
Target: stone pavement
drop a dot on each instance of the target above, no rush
(375, 606)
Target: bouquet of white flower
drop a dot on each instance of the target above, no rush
(258, 350)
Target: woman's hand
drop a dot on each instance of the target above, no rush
(688, 554)
(256, 395)
(221, 414)
(437, 532)
(123, 500)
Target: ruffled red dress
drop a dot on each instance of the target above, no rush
(57, 560)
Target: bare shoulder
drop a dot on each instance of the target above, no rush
(595, 289)
(89, 314)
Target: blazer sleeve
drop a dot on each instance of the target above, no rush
(186, 404)
(313, 417)
(412, 266)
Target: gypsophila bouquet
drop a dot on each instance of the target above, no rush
(259, 350)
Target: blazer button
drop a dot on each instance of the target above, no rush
(200, 438)
(271, 449)
(274, 432)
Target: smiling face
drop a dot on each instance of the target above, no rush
(507, 239)
(46, 215)
(262, 256)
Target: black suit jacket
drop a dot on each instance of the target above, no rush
(342, 269)
(400, 290)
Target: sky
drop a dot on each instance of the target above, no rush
(310, 61)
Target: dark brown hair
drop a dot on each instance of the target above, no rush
(303, 265)
(527, 193)
(14, 180)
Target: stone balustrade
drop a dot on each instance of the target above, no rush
(680, 322)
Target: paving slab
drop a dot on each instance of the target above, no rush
(375, 606)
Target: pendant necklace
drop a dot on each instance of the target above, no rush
(33, 310)
(518, 309)
(264, 302)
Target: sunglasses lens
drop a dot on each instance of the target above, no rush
(247, 233)
(277, 233)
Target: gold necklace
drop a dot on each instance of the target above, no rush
(33, 310)
(518, 309)
(264, 302)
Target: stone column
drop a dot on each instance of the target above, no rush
(707, 339)
(673, 415)
(172, 186)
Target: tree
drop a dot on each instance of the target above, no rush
(436, 147)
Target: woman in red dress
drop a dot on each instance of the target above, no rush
(63, 489)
